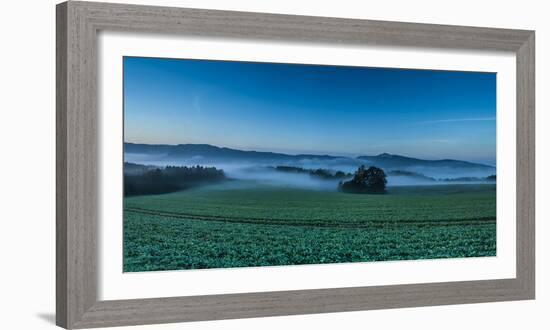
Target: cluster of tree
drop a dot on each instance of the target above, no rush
(134, 169)
(370, 180)
(470, 179)
(319, 173)
(429, 178)
(168, 179)
(411, 174)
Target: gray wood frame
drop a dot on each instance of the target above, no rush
(77, 150)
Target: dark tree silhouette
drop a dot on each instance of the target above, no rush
(142, 180)
(491, 178)
(320, 173)
(369, 181)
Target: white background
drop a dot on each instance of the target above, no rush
(27, 166)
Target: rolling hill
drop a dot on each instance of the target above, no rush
(210, 154)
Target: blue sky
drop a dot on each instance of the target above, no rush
(311, 108)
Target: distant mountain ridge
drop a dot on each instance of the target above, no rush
(395, 161)
(210, 154)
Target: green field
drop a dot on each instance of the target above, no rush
(239, 225)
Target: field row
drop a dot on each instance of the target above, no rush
(438, 203)
(313, 222)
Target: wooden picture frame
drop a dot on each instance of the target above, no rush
(78, 24)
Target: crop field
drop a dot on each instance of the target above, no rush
(236, 225)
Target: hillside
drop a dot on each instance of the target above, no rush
(209, 154)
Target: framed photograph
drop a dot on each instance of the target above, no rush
(217, 165)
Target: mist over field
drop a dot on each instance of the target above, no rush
(261, 168)
(271, 177)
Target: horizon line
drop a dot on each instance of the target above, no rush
(321, 153)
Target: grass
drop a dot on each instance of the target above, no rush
(225, 226)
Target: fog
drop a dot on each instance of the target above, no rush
(272, 177)
(244, 174)
(399, 180)
(450, 172)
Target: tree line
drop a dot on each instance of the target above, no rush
(319, 173)
(142, 180)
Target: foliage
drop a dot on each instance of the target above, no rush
(369, 181)
(319, 173)
(490, 178)
(411, 175)
(168, 179)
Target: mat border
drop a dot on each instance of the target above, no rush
(77, 26)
